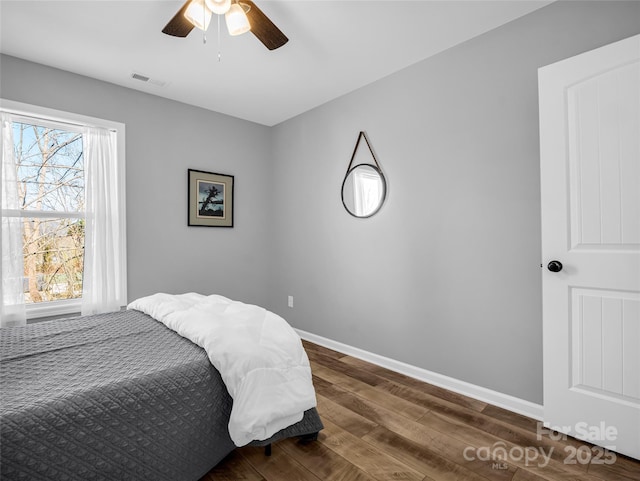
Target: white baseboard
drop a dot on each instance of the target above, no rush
(480, 393)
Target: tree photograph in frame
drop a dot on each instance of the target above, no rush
(210, 199)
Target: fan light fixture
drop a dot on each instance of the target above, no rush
(218, 6)
(257, 22)
(199, 14)
(237, 21)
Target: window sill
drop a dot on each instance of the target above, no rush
(42, 310)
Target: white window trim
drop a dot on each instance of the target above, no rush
(35, 113)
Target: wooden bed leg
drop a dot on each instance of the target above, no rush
(267, 450)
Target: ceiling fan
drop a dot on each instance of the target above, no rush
(241, 16)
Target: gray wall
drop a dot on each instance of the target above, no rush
(163, 139)
(447, 276)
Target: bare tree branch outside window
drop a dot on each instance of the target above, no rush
(50, 168)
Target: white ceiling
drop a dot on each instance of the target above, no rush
(334, 47)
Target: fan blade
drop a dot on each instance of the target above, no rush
(179, 26)
(263, 28)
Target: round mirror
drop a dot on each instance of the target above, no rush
(363, 190)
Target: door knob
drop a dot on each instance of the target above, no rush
(555, 266)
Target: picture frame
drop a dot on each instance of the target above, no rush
(210, 199)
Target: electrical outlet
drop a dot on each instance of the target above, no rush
(290, 301)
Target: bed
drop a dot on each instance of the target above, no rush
(114, 396)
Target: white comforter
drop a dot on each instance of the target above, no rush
(259, 355)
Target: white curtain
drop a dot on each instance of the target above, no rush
(12, 309)
(102, 284)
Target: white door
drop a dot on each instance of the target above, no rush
(590, 181)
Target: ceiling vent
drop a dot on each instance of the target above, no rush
(142, 78)
(145, 79)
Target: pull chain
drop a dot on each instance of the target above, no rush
(219, 52)
(204, 16)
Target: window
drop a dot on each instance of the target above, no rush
(55, 194)
(50, 179)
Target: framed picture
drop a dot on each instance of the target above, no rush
(210, 199)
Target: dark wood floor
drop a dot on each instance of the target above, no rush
(381, 425)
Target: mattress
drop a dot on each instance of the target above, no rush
(112, 397)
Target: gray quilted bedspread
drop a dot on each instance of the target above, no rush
(112, 397)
